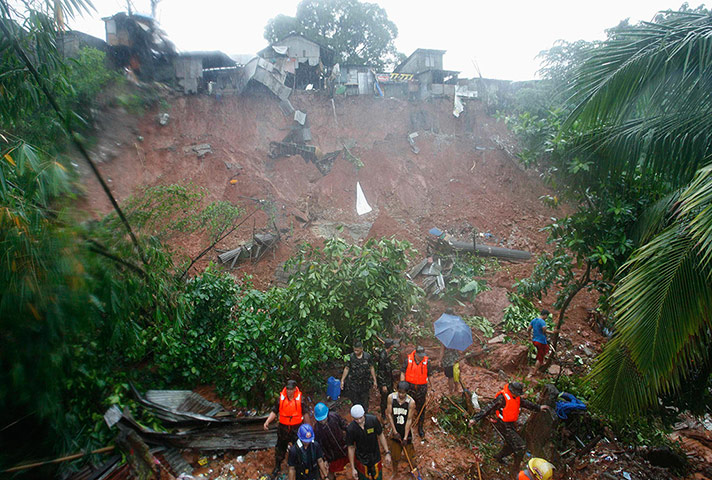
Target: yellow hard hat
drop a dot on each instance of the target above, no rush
(541, 469)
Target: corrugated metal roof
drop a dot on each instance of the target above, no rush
(179, 405)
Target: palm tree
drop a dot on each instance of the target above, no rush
(645, 98)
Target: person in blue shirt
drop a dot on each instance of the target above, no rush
(537, 328)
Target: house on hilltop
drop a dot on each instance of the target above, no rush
(426, 66)
(136, 42)
(196, 71)
(71, 43)
(303, 61)
(421, 60)
(357, 79)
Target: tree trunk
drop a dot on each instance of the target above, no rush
(488, 251)
(583, 281)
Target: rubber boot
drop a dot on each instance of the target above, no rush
(277, 465)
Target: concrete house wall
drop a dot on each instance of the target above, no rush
(305, 51)
(421, 60)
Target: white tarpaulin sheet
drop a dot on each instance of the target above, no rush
(458, 108)
(362, 206)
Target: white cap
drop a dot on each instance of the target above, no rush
(357, 411)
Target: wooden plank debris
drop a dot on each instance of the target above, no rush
(239, 433)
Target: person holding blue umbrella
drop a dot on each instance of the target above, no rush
(456, 336)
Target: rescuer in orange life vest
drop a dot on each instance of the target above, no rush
(506, 405)
(415, 372)
(291, 415)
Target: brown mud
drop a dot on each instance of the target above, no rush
(461, 179)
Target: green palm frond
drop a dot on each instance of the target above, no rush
(618, 382)
(663, 307)
(647, 95)
(655, 218)
(696, 203)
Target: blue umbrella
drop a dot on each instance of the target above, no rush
(453, 332)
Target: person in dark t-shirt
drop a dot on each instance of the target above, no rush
(363, 437)
(305, 458)
(358, 376)
(329, 431)
(385, 366)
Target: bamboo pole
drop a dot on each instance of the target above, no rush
(58, 460)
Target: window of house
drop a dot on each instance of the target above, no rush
(304, 53)
(429, 61)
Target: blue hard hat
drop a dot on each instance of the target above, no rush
(320, 411)
(305, 433)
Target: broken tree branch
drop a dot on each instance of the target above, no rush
(99, 249)
(212, 245)
(58, 460)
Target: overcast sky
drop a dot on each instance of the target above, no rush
(501, 37)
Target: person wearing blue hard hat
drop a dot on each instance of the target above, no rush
(305, 457)
(329, 431)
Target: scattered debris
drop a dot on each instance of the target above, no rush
(508, 149)
(264, 72)
(300, 117)
(437, 268)
(255, 249)
(137, 453)
(179, 406)
(309, 153)
(200, 149)
(498, 339)
(458, 106)
(237, 433)
(163, 119)
(348, 145)
(112, 468)
(177, 463)
(411, 141)
(231, 166)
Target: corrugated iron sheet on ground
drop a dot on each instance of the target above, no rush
(183, 401)
(243, 433)
(179, 406)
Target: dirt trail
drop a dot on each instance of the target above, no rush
(460, 179)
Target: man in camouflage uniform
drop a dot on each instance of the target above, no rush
(386, 365)
(358, 376)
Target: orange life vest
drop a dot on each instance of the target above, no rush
(290, 411)
(524, 475)
(416, 373)
(510, 412)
